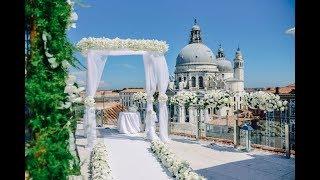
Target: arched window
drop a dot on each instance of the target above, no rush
(193, 81)
(234, 98)
(208, 110)
(201, 82)
(179, 79)
(184, 78)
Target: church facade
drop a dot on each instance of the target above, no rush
(199, 70)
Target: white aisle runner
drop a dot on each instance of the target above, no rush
(130, 159)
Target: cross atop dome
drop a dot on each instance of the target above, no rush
(195, 21)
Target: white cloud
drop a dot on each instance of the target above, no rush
(129, 66)
(291, 31)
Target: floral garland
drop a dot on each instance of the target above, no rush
(99, 167)
(265, 101)
(180, 170)
(162, 98)
(52, 60)
(216, 99)
(184, 98)
(73, 16)
(139, 97)
(118, 44)
(89, 101)
(72, 91)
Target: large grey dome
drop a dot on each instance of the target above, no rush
(195, 53)
(224, 65)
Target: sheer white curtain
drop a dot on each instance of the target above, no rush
(162, 76)
(151, 86)
(95, 65)
(157, 76)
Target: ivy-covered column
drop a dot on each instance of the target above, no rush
(49, 92)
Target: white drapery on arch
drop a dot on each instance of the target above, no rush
(157, 77)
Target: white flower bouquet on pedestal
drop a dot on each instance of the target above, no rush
(184, 98)
(216, 99)
(139, 97)
(265, 101)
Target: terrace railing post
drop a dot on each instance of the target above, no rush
(236, 134)
(198, 134)
(287, 140)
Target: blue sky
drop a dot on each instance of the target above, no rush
(258, 26)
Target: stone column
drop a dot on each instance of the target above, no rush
(236, 130)
(191, 115)
(181, 118)
(201, 115)
(206, 115)
(197, 81)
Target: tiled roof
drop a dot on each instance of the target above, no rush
(134, 90)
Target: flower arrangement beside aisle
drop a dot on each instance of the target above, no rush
(180, 170)
(99, 167)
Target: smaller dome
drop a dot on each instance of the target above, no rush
(224, 65)
(196, 27)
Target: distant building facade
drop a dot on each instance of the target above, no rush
(199, 70)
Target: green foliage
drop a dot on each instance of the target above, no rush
(47, 154)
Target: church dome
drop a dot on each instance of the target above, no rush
(195, 53)
(224, 65)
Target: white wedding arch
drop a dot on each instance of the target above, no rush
(96, 51)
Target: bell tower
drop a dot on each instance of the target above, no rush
(238, 66)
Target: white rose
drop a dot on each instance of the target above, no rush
(65, 64)
(71, 79)
(74, 16)
(53, 62)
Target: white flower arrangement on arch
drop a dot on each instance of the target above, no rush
(265, 101)
(121, 44)
(180, 170)
(162, 98)
(99, 167)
